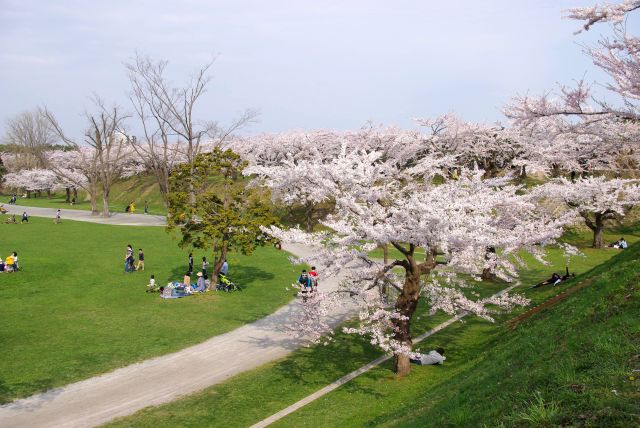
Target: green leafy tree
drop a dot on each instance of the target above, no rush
(227, 213)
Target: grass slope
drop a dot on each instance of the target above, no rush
(73, 313)
(571, 365)
(137, 189)
(489, 377)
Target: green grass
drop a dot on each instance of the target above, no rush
(73, 313)
(136, 189)
(492, 377)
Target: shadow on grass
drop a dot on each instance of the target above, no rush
(14, 389)
(241, 275)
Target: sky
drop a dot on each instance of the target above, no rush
(305, 64)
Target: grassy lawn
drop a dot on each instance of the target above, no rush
(73, 313)
(136, 189)
(490, 374)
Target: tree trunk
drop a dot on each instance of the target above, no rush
(75, 194)
(406, 306)
(598, 235)
(487, 273)
(94, 202)
(308, 216)
(218, 264)
(48, 193)
(68, 195)
(105, 203)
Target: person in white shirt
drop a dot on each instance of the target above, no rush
(225, 268)
(433, 357)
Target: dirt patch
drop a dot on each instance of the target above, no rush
(514, 322)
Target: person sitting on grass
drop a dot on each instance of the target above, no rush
(10, 263)
(186, 281)
(432, 358)
(2, 266)
(152, 287)
(620, 244)
(200, 284)
(16, 266)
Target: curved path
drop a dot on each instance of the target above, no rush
(163, 379)
(123, 219)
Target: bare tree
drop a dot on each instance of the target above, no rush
(167, 113)
(106, 138)
(31, 136)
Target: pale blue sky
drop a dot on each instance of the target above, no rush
(303, 64)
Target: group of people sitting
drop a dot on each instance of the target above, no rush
(12, 219)
(10, 264)
(620, 244)
(178, 289)
(174, 290)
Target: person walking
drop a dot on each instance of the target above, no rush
(140, 265)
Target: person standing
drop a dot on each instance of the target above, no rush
(205, 265)
(58, 215)
(146, 207)
(25, 218)
(313, 274)
(128, 259)
(140, 265)
(190, 262)
(225, 268)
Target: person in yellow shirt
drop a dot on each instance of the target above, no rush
(10, 263)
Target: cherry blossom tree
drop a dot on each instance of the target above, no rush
(596, 199)
(618, 56)
(33, 180)
(380, 200)
(108, 147)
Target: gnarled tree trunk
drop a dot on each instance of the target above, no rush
(406, 305)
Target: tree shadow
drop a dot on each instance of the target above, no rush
(239, 274)
(8, 391)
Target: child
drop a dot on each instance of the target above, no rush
(16, 267)
(151, 287)
(140, 259)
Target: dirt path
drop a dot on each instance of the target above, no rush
(83, 215)
(163, 379)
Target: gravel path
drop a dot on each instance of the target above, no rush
(123, 219)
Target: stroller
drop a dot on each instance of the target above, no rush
(225, 284)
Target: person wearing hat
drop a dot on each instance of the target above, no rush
(200, 283)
